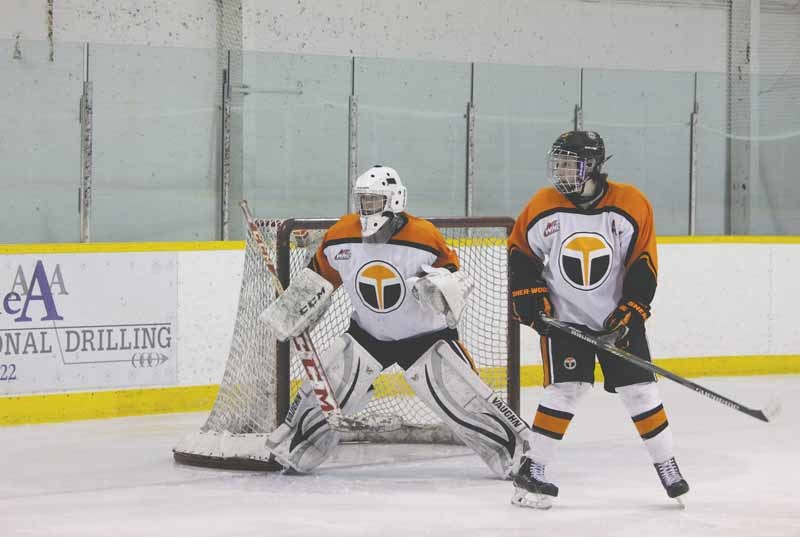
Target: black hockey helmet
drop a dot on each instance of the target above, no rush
(575, 158)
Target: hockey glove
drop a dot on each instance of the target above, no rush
(300, 306)
(529, 305)
(627, 318)
(443, 291)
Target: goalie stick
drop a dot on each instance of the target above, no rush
(303, 344)
(767, 414)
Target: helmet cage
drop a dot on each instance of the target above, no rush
(369, 203)
(568, 171)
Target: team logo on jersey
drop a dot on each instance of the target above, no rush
(380, 286)
(552, 227)
(585, 260)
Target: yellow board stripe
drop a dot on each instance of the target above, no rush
(193, 246)
(476, 241)
(48, 408)
(703, 366)
(732, 366)
(730, 239)
(119, 247)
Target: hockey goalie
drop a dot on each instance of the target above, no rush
(408, 295)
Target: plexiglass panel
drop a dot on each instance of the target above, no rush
(775, 203)
(295, 134)
(156, 123)
(412, 116)
(157, 131)
(643, 118)
(39, 141)
(520, 111)
(712, 154)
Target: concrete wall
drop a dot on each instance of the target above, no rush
(544, 32)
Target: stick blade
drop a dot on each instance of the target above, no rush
(772, 410)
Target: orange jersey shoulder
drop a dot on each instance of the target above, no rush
(348, 227)
(545, 200)
(630, 199)
(635, 204)
(416, 233)
(421, 233)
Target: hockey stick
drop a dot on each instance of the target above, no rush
(767, 414)
(303, 344)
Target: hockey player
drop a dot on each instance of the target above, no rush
(584, 252)
(407, 295)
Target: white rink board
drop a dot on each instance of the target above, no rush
(720, 300)
(726, 300)
(208, 295)
(713, 300)
(87, 321)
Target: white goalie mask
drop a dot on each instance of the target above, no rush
(378, 196)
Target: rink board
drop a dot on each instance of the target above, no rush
(724, 307)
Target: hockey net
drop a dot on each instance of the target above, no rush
(261, 375)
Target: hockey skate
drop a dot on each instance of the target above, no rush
(674, 483)
(530, 487)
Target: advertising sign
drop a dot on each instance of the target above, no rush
(87, 321)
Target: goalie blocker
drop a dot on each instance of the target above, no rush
(300, 306)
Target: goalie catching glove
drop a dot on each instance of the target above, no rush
(299, 306)
(443, 291)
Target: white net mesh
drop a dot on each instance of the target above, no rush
(259, 380)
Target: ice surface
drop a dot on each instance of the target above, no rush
(116, 478)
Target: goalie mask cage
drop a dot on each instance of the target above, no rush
(262, 375)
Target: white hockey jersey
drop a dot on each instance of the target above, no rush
(587, 253)
(374, 275)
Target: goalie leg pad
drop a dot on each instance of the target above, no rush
(351, 370)
(299, 306)
(305, 439)
(444, 380)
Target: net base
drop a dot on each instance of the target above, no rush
(212, 449)
(226, 463)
